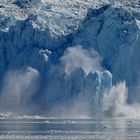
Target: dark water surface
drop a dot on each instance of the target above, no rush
(70, 129)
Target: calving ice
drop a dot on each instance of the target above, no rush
(70, 58)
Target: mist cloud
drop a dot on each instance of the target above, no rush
(18, 88)
(78, 57)
(116, 103)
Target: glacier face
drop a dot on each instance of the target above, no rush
(69, 53)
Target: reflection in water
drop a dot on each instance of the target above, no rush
(70, 129)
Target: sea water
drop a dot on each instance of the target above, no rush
(70, 129)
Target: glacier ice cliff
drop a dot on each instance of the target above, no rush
(69, 52)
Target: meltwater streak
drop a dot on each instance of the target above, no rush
(74, 129)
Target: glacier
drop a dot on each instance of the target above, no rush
(60, 55)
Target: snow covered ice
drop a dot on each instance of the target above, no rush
(64, 54)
